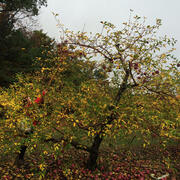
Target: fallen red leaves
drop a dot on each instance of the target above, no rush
(124, 165)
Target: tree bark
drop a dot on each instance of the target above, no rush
(94, 152)
(20, 157)
(22, 152)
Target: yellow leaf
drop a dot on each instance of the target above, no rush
(37, 90)
(105, 105)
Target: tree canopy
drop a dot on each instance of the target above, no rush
(14, 36)
(13, 7)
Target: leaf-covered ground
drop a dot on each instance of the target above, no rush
(149, 163)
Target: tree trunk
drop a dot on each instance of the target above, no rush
(20, 157)
(22, 152)
(94, 152)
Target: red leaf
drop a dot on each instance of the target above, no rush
(35, 123)
(44, 92)
(38, 100)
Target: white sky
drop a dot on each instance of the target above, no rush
(75, 14)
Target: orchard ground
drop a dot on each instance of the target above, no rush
(130, 162)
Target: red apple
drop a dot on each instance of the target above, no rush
(104, 67)
(35, 122)
(157, 72)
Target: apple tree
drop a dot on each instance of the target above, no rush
(144, 74)
(92, 87)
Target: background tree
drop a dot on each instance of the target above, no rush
(12, 34)
(12, 11)
(20, 53)
(20, 7)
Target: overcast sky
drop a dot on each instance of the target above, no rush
(76, 14)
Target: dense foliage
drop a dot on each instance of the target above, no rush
(20, 51)
(18, 48)
(31, 7)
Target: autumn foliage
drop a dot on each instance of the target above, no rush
(90, 90)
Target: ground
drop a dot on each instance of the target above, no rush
(135, 163)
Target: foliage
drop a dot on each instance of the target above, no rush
(13, 11)
(80, 100)
(14, 7)
(20, 51)
(13, 36)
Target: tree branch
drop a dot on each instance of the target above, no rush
(72, 142)
(135, 83)
(94, 48)
(122, 87)
(159, 92)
